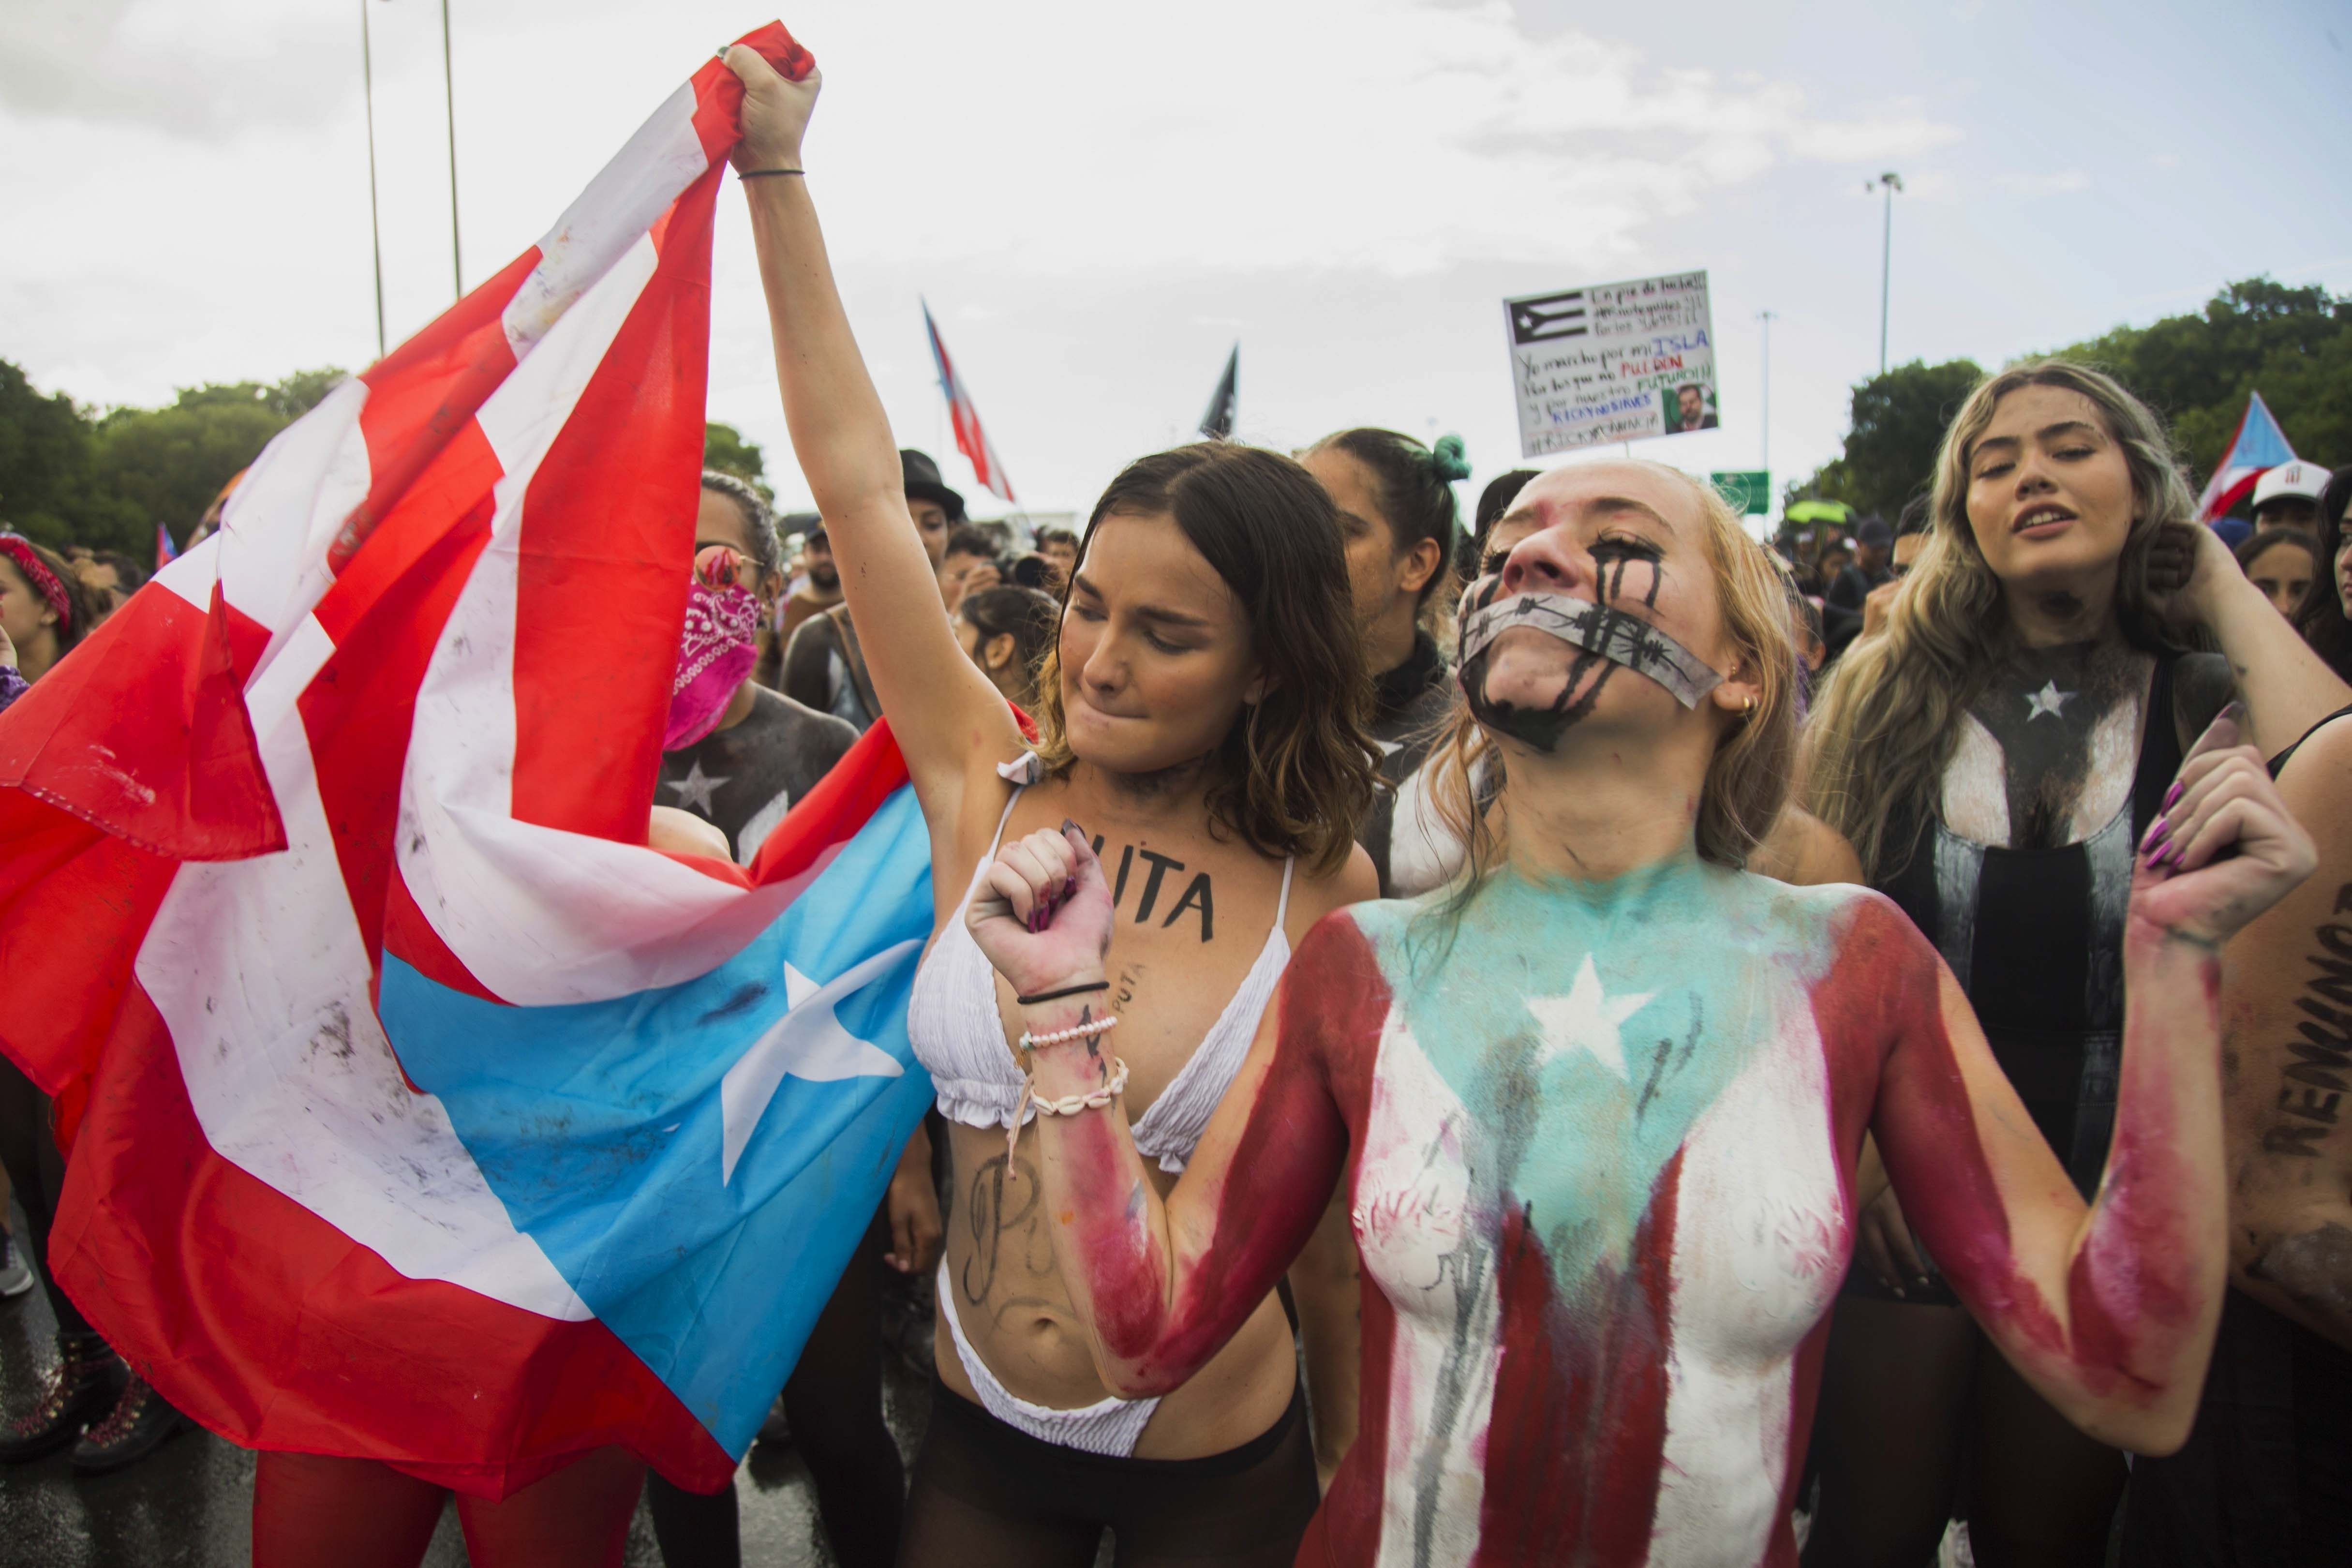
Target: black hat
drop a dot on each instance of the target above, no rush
(807, 525)
(1873, 531)
(921, 477)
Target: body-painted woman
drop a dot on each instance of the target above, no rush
(1598, 1115)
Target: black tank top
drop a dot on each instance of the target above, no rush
(2035, 937)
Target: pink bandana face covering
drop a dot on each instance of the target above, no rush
(716, 654)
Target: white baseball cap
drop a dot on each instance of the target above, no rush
(2290, 479)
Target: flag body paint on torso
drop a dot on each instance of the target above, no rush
(1602, 1188)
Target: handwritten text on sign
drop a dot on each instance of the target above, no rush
(1617, 362)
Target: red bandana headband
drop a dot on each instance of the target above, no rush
(19, 549)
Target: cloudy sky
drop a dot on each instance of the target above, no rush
(1098, 199)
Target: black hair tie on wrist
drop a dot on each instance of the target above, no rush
(759, 173)
(1065, 991)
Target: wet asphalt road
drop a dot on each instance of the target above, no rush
(189, 1504)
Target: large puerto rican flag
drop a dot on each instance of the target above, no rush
(417, 1110)
(2258, 446)
(964, 415)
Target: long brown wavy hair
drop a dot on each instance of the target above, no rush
(1295, 772)
(1747, 781)
(1884, 730)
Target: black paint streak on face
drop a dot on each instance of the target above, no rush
(1589, 673)
(990, 1222)
(2318, 1072)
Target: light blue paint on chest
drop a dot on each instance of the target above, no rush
(1586, 1027)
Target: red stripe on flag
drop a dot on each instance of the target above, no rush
(186, 778)
(832, 811)
(319, 1318)
(425, 392)
(606, 550)
(74, 903)
(388, 608)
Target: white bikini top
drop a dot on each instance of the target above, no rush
(958, 1034)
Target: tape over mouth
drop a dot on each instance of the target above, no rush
(1615, 636)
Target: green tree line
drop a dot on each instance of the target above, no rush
(2292, 345)
(70, 474)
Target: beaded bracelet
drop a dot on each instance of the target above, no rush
(1103, 1025)
(1071, 1104)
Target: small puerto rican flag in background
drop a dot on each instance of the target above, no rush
(165, 550)
(971, 439)
(418, 1111)
(2259, 446)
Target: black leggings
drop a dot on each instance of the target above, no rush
(990, 1496)
(833, 1400)
(1913, 1399)
(38, 1171)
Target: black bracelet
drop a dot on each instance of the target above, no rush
(761, 174)
(1065, 991)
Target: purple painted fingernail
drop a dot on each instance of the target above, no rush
(2171, 796)
(2159, 832)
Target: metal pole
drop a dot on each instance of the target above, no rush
(1889, 182)
(1764, 452)
(449, 85)
(376, 222)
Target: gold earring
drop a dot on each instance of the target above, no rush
(1747, 706)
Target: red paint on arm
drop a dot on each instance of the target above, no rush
(2133, 1283)
(1165, 1287)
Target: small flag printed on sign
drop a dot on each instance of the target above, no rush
(1549, 316)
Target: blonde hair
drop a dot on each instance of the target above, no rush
(1884, 730)
(1747, 780)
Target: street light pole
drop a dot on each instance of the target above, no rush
(376, 222)
(449, 87)
(1764, 452)
(1889, 182)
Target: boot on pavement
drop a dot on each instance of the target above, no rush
(138, 1425)
(87, 1384)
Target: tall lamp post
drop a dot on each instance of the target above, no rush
(375, 222)
(1764, 447)
(1889, 182)
(449, 89)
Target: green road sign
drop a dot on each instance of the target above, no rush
(1749, 490)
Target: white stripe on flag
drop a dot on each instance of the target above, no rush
(273, 567)
(1759, 1250)
(612, 215)
(259, 972)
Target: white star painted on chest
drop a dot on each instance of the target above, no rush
(696, 788)
(1586, 1019)
(807, 1043)
(2049, 699)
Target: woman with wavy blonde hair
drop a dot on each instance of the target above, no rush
(1994, 755)
(1598, 1137)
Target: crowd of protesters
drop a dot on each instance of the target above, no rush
(2088, 753)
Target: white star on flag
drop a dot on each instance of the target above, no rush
(697, 787)
(2049, 699)
(1586, 1019)
(807, 1043)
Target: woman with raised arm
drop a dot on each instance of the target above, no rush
(1201, 711)
(1994, 754)
(1598, 1111)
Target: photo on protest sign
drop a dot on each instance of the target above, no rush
(1613, 361)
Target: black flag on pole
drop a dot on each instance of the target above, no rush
(1218, 422)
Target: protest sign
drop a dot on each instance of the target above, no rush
(1616, 362)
